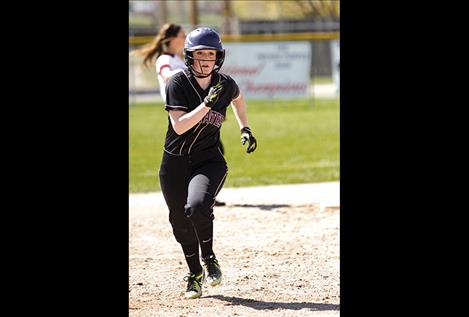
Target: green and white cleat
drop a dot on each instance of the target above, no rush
(214, 274)
(194, 285)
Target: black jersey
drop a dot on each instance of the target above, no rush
(184, 93)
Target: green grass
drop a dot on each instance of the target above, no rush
(297, 143)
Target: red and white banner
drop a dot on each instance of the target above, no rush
(269, 69)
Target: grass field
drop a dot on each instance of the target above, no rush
(297, 143)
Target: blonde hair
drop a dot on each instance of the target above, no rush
(159, 45)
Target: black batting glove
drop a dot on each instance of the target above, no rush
(246, 136)
(213, 95)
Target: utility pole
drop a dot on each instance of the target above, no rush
(194, 13)
(227, 14)
(164, 12)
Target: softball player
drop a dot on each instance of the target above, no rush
(193, 169)
(166, 47)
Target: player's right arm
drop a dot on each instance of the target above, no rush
(183, 121)
(181, 118)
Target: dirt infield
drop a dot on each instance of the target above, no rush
(278, 247)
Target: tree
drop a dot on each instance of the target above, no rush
(194, 13)
(315, 8)
(273, 10)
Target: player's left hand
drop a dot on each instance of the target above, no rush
(246, 136)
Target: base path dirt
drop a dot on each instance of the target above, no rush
(278, 248)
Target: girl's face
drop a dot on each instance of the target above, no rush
(204, 60)
(178, 42)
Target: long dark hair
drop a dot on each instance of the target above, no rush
(159, 44)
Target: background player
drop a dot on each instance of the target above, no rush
(166, 49)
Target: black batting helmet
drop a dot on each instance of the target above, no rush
(203, 39)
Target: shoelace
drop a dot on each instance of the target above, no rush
(191, 279)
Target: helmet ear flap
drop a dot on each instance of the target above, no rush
(188, 57)
(220, 58)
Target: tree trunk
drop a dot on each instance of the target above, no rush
(227, 16)
(194, 14)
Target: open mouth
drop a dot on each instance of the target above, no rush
(205, 69)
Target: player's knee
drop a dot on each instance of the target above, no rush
(183, 231)
(184, 235)
(199, 213)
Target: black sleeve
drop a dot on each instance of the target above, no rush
(175, 97)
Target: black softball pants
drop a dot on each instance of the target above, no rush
(190, 184)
